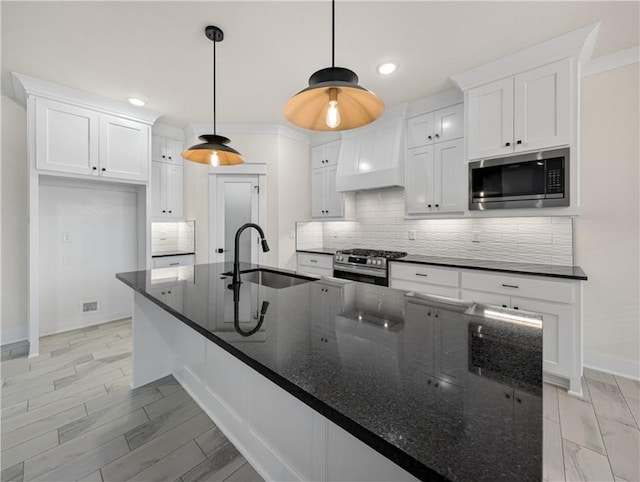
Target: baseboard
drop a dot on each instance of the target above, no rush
(611, 364)
(12, 334)
(96, 320)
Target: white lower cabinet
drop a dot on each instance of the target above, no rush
(179, 260)
(282, 437)
(559, 302)
(315, 264)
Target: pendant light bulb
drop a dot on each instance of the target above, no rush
(215, 160)
(333, 114)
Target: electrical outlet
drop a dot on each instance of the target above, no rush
(475, 238)
(89, 306)
(412, 234)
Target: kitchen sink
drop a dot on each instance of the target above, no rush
(273, 279)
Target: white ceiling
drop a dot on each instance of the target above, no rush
(157, 50)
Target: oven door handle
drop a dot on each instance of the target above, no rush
(379, 273)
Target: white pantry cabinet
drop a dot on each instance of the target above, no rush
(526, 112)
(165, 149)
(435, 178)
(78, 140)
(326, 202)
(167, 180)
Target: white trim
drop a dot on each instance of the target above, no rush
(259, 168)
(196, 130)
(168, 131)
(612, 364)
(612, 61)
(13, 334)
(25, 86)
(576, 43)
(435, 102)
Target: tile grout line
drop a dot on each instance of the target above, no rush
(606, 451)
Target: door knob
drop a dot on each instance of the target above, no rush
(221, 250)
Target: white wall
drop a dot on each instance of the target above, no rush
(607, 231)
(100, 224)
(14, 222)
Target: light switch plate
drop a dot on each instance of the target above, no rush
(475, 237)
(412, 234)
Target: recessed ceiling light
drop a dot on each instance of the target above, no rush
(137, 102)
(387, 68)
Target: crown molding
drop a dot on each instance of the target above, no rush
(578, 43)
(25, 86)
(168, 131)
(612, 61)
(434, 102)
(197, 129)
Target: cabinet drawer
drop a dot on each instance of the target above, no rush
(426, 288)
(181, 260)
(424, 274)
(316, 260)
(522, 286)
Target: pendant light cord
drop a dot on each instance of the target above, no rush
(333, 33)
(214, 87)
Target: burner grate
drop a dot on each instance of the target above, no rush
(375, 253)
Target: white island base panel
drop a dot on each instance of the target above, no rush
(281, 437)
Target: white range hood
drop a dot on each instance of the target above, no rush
(372, 157)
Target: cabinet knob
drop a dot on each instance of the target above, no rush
(170, 212)
(104, 169)
(429, 137)
(519, 142)
(169, 157)
(437, 136)
(164, 157)
(428, 205)
(436, 384)
(164, 211)
(437, 205)
(507, 396)
(519, 400)
(507, 144)
(504, 306)
(222, 250)
(515, 308)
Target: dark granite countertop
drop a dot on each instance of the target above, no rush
(317, 251)
(567, 272)
(398, 371)
(171, 253)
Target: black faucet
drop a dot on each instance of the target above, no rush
(236, 253)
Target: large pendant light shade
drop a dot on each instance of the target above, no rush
(214, 149)
(333, 101)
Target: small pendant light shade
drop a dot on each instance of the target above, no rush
(214, 149)
(333, 101)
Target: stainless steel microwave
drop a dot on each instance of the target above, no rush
(533, 180)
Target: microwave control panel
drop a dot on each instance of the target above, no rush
(555, 176)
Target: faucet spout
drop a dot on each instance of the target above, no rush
(236, 253)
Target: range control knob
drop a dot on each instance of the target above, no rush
(379, 261)
(369, 261)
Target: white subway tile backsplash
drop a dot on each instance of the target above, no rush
(170, 237)
(381, 225)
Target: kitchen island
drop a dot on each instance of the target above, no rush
(324, 380)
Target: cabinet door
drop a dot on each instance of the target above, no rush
(174, 190)
(449, 178)
(449, 123)
(158, 148)
(418, 347)
(174, 152)
(451, 348)
(557, 334)
(419, 180)
(317, 193)
(124, 149)
(66, 138)
(420, 130)
(367, 151)
(542, 107)
(335, 200)
(318, 157)
(349, 153)
(158, 189)
(332, 151)
(386, 144)
(490, 120)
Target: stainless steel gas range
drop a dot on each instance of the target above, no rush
(364, 265)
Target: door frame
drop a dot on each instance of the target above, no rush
(242, 170)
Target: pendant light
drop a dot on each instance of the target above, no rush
(333, 101)
(214, 149)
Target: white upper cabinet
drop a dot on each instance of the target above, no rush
(66, 137)
(542, 107)
(325, 154)
(438, 126)
(124, 148)
(167, 178)
(165, 149)
(527, 112)
(326, 202)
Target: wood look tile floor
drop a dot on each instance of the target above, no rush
(69, 414)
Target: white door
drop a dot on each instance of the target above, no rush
(174, 189)
(124, 149)
(335, 199)
(419, 180)
(542, 107)
(420, 130)
(490, 120)
(449, 177)
(318, 192)
(66, 138)
(237, 203)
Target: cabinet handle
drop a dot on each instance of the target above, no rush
(421, 274)
(169, 157)
(313, 260)
(170, 212)
(507, 144)
(428, 205)
(429, 137)
(516, 308)
(519, 142)
(437, 205)
(519, 400)
(173, 264)
(164, 157)
(437, 136)
(510, 286)
(222, 250)
(504, 306)
(507, 396)
(104, 169)
(164, 211)
(94, 168)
